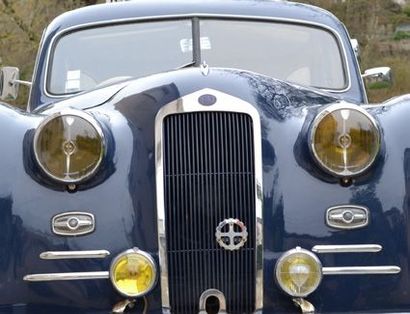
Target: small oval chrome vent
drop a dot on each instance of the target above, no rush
(347, 217)
(73, 223)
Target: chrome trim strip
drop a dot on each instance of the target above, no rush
(51, 255)
(226, 103)
(320, 116)
(361, 270)
(353, 248)
(68, 276)
(338, 37)
(83, 115)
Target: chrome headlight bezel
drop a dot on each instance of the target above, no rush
(143, 254)
(284, 257)
(79, 114)
(324, 113)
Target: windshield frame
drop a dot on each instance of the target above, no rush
(196, 55)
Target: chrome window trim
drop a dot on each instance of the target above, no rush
(319, 117)
(36, 67)
(87, 117)
(225, 103)
(139, 252)
(92, 275)
(333, 31)
(53, 255)
(349, 248)
(356, 65)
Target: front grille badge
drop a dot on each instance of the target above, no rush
(231, 234)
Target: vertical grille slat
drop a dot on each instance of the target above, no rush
(209, 176)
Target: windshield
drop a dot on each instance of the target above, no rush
(296, 53)
(87, 58)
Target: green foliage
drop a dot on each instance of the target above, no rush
(406, 10)
(401, 35)
(401, 75)
(378, 85)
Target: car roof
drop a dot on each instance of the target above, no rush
(105, 13)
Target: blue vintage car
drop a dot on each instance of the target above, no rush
(202, 157)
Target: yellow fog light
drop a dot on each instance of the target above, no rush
(298, 272)
(345, 139)
(133, 273)
(69, 146)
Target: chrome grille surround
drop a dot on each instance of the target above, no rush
(190, 104)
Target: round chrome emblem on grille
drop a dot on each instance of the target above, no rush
(231, 234)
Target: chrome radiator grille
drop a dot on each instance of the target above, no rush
(208, 161)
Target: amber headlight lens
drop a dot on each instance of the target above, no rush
(133, 273)
(69, 146)
(345, 139)
(298, 272)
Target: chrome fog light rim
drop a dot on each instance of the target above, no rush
(86, 117)
(144, 254)
(323, 114)
(285, 256)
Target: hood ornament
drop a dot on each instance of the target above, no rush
(231, 234)
(204, 68)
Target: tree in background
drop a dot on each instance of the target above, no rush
(373, 23)
(21, 25)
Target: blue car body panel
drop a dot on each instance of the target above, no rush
(296, 196)
(122, 196)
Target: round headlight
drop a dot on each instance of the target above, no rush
(298, 272)
(345, 139)
(69, 146)
(133, 273)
